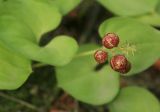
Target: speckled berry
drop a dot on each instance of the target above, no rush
(127, 69)
(110, 40)
(100, 56)
(120, 64)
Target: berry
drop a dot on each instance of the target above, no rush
(100, 56)
(110, 40)
(127, 69)
(120, 64)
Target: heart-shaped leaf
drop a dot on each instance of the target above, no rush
(129, 7)
(134, 99)
(19, 34)
(58, 52)
(145, 39)
(80, 79)
(14, 69)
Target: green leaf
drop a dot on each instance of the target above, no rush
(135, 99)
(152, 19)
(47, 21)
(14, 69)
(145, 38)
(64, 7)
(36, 18)
(61, 49)
(80, 79)
(158, 7)
(19, 34)
(129, 7)
(58, 52)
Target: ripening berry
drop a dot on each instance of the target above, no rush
(100, 56)
(110, 40)
(120, 64)
(127, 69)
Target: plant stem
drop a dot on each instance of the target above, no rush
(126, 48)
(85, 53)
(26, 104)
(91, 52)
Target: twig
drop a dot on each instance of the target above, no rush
(26, 104)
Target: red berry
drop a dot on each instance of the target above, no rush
(100, 56)
(127, 69)
(110, 40)
(120, 64)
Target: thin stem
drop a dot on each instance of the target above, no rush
(26, 104)
(91, 52)
(85, 53)
(126, 49)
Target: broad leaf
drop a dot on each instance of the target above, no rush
(152, 19)
(145, 39)
(65, 6)
(18, 32)
(17, 37)
(14, 69)
(80, 79)
(129, 7)
(135, 99)
(36, 18)
(158, 7)
(21, 25)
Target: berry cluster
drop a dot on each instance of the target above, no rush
(118, 62)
